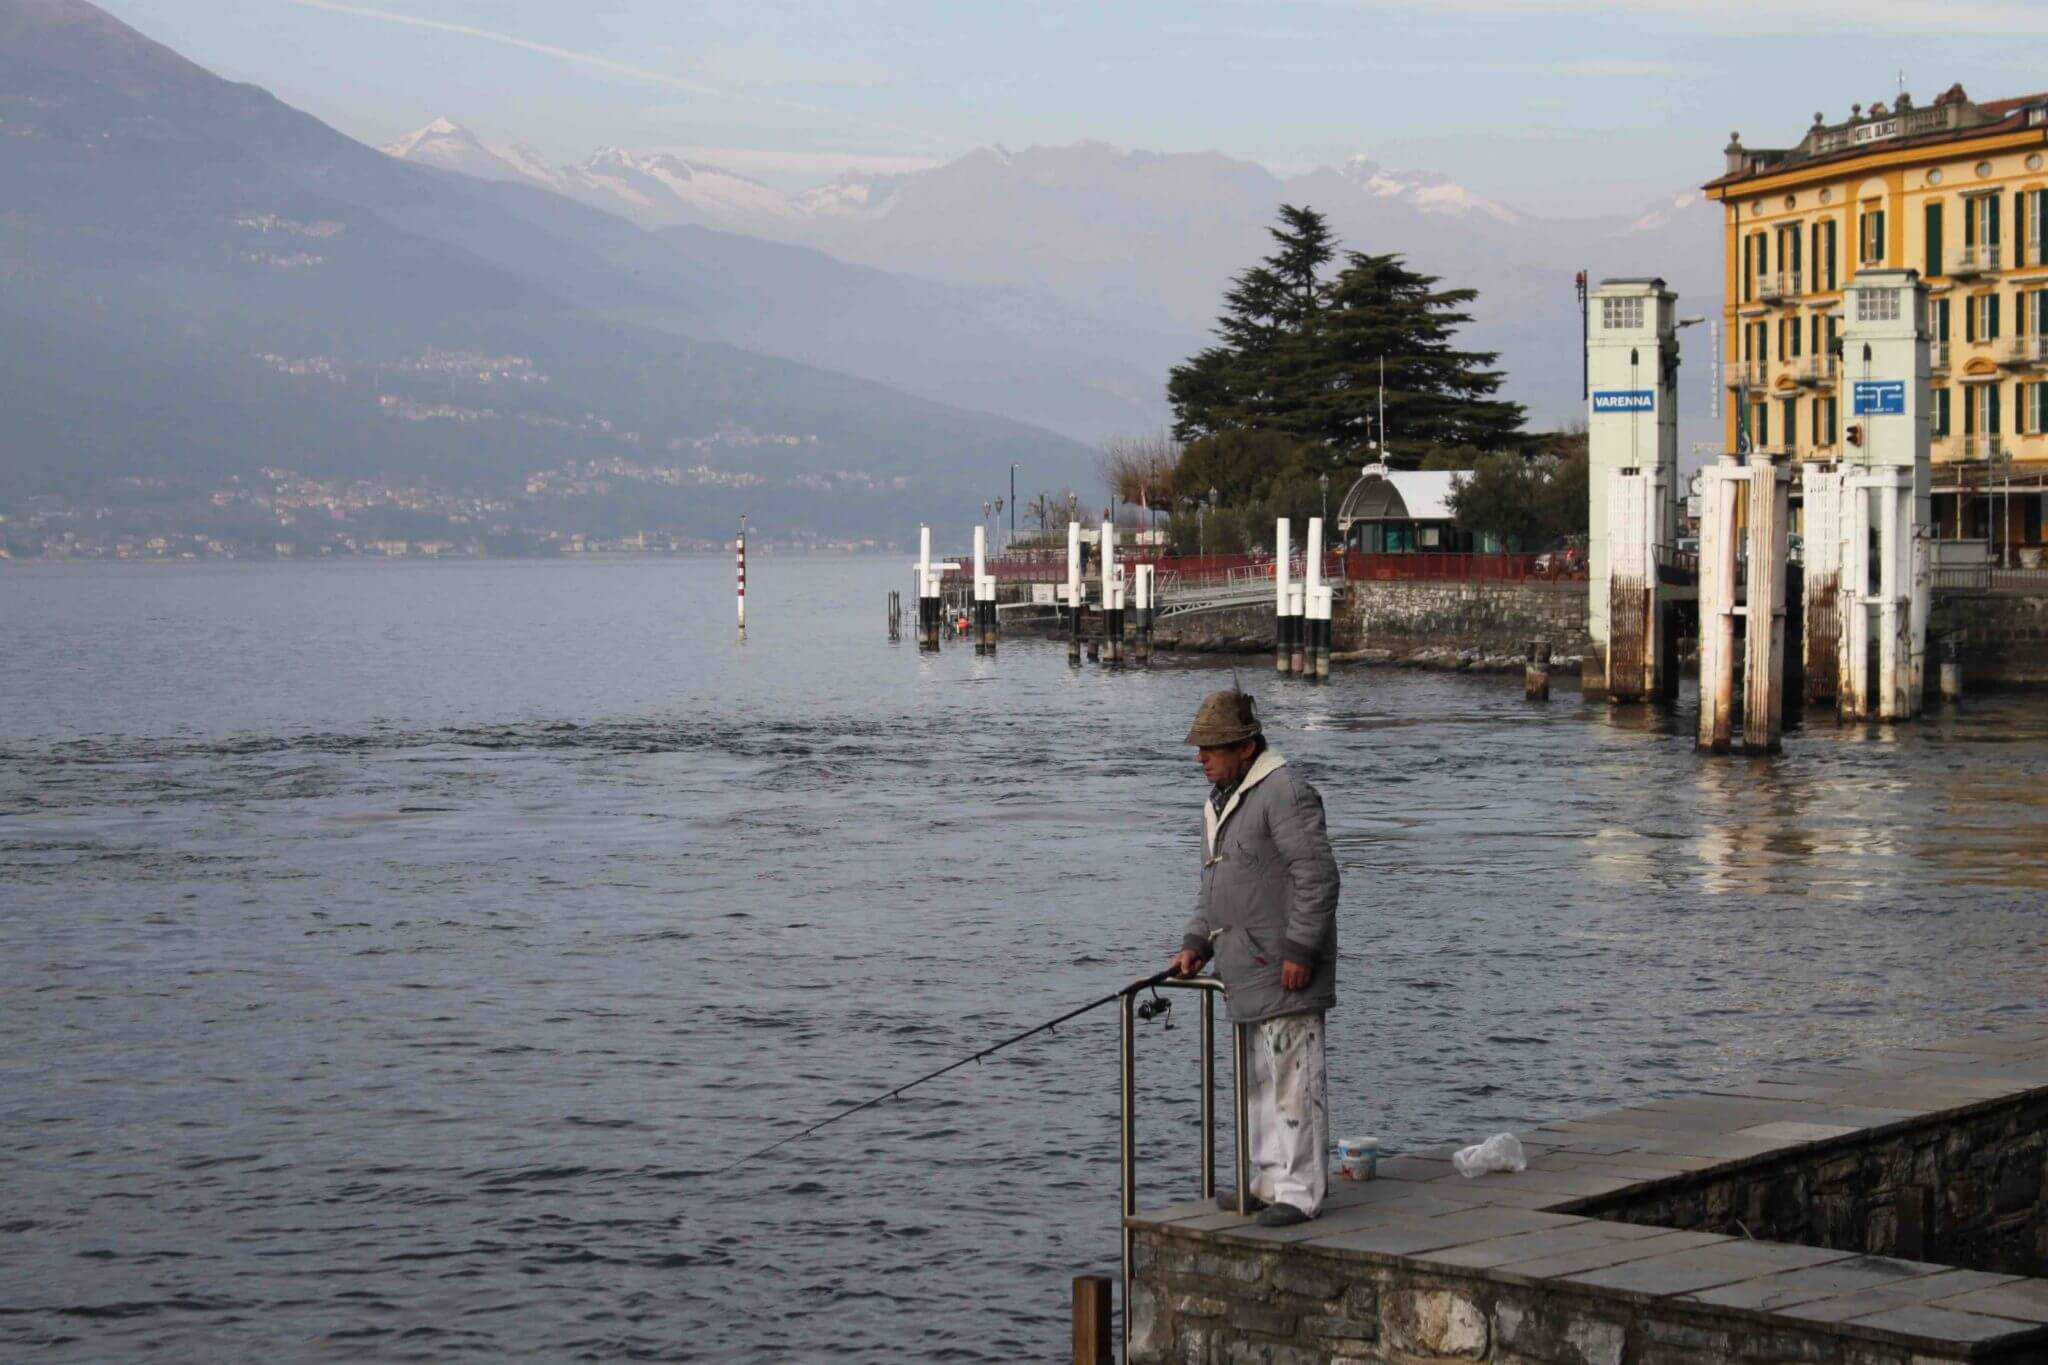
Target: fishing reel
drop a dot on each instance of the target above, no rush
(1158, 1007)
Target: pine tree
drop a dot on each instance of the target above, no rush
(1270, 320)
(1436, 395)
(1300, 355)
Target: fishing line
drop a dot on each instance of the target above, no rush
(1148, 1010)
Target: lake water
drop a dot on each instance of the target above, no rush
(393, 953)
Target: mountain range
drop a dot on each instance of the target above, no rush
(1125, 254)
(202, 282)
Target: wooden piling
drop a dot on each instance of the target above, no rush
(1094, 1302)
(1536, 673)
(895, 615)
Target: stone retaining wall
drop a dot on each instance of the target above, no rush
(1970, 1190)
(1197, 1303)
(2004, 638)
(1469, 624)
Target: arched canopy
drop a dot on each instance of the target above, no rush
(1401, 509)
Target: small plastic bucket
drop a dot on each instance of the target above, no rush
(1358, 1157)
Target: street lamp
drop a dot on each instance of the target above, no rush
(999, 521)
(1013, 499)
(1323, 480)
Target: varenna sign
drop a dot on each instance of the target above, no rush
(1625, 400)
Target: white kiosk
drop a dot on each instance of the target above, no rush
(1884, 518)
(1632, 436)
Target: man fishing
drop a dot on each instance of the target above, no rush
(1267, 913)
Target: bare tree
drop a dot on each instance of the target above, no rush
(1139, 469)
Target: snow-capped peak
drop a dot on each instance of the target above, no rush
(1426, 190)
(449, 146)
(1662, 214)
(674, 189)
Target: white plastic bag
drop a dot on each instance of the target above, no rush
(1501, 1152)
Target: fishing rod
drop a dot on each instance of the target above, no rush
(1148, 983)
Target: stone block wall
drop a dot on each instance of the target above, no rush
(1969, 1191)
(2004, 637)
(1474, 624)
(1205, 1302)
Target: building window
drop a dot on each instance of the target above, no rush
(1877, 305)
(1980, 318)
(1933, 239)
(2034, 226)
(1981, 226)
(1824, 421)
(1980, 410)
(1871, 239)
(2028, 418)
(1621, 314)
(1941, 412)
(1833, 234)
(1762, 423)
(1790, 409)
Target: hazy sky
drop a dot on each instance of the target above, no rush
(1554, 105)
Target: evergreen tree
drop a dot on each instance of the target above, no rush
(1436, 394)
(1300, 356)
(1268, 330)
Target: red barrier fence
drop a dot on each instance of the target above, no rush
(1050, 566)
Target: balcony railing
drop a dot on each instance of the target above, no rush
(1782, 285)
(2021, 352)
(1814, 369)
(1937, 355)
(1983, 447)
(1745, 374)
(1975, 260)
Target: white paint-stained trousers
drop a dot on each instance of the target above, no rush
(1289, 1112)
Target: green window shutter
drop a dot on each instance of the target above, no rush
(2019, 226)
(1941, 319)
(1763, 254)
(1941, 412)
(1763, 424)
(1969, 222)
(1969, 319)
(1748, 269)
(1791, 406)
(1991, 220)
(1991, 400)
(1969, 413)
(1933, 239)
(1991, 318)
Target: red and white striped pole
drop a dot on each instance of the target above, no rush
(739, 570)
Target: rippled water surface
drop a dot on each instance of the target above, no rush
(393, 954)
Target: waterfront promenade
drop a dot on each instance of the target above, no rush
(1881, 1211)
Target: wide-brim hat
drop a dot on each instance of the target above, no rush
(1225, 718)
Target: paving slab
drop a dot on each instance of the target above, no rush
(1920, 1322)
(2023, 1300)
(1789, 1287)
(1686, 1271)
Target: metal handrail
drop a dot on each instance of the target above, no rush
(1210, 988)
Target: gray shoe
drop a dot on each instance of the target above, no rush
(1282, 1216)
(1227, 1203)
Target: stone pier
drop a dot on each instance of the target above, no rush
(1885, 1211)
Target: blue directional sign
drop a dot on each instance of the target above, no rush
(1879, 398)
(1625, 400)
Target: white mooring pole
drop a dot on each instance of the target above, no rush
(739, 569)
(927, 593)
(1316, 655)
(1282, 647)
(1074, 591)
(978, 623)
(1112, 615)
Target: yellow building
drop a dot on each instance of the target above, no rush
(1957, 191)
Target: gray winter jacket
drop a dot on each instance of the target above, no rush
(1268, 894)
